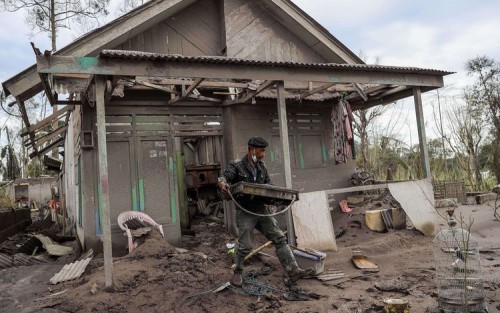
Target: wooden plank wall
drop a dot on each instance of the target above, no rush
(313, 166)
(252, 33)
(193, 31)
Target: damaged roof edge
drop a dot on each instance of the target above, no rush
(148, 56)
(69, 49)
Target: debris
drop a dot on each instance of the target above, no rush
(254, 252)
(132, 220)
(355, 200)
(73, 270)
(393, 305)
(93, 288)
(394, 285)
(344, 206)
(331, 275)
(53, 248)
(309, 258)
(361, 261)
(418, 205)
(339, 233)
(214, 290)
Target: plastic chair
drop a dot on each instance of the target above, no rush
(130, 215)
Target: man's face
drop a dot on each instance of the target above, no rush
(260, 153)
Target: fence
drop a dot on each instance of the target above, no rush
(444, 190)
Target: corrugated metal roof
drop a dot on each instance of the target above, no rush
(71, 271)
(139, 55)
(53, 248)
(18, 259)
(42, 224)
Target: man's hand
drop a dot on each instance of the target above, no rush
(224, 187)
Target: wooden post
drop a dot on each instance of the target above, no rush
(103, 187)
(283, 122)
(424, 151)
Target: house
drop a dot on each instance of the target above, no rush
(165, 96)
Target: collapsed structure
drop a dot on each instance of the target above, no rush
(165, 96)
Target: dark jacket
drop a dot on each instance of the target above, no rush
(242, 170)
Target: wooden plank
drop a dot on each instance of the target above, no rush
(196, 127)
(196, 119)
(152, 119)
(40, 141)
(313, 223)
(210, 70)
(266, 84)
(360, 91)
(187, 92)
(26, 121)
(315, 90)
(167, 81)
(424, 150)
(198, 133)
(191, 37)
(46, 121)
(154, 86)
(103, 186)
(46, 148)
(418, 204)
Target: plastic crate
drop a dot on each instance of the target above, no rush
(310, 258)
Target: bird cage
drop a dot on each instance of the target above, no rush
(458, 270)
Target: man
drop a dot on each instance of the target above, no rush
(252, 169)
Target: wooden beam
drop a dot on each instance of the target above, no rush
(68, 102)
(192, 87)
(373, 89)
(40, 141)
(285, 145)
(26, 121)
(424, 151)
(266, 84)
(154, 86)
(209, 70)
(313, 91)
(46, 148)
(205, 83)
(51, 94)
(186, 93)
(360, 91)
(375, 100)
(46, 121)
(103, 187)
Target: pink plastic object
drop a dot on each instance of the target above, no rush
(129, 215)
(344, 206)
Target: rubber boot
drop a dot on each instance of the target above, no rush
(237, 279)
(287, 260)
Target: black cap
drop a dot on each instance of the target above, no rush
(257, 142)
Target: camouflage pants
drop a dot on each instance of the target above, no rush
(268, 227)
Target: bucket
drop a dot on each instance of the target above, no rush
(310, 258)
(395, 305)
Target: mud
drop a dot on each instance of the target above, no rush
(157, 277)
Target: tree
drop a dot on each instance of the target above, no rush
(9, 162)
(48, 16)
(468, 128)
(363, 119)
(485, 93)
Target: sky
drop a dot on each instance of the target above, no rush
(439, 34)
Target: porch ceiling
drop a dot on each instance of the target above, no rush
(222, 81)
